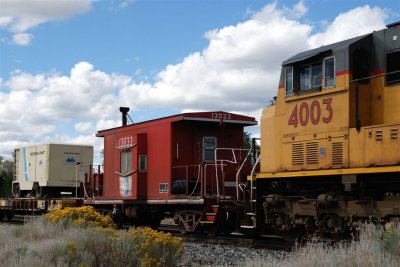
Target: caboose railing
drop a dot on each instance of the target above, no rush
(188, 171)
(93, 182)
(234, 161)
(216, 177)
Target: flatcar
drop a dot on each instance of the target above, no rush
(330, 148)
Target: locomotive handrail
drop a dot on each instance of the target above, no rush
(253, 170)
(375, 76)
(357, 94)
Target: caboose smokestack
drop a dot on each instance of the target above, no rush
(124, 111)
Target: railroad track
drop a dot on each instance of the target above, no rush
(236, 239)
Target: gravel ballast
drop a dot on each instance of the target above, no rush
(202, 254)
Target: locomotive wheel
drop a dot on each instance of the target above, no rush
(292, 235)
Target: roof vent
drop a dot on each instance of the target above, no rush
(124, 111)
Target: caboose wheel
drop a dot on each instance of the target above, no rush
(182, 228)
(213, 229)
(229, 223)
(1, 215)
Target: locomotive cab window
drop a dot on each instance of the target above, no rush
(209, 146)
(310, 77)
(329, 72)
(393, 68)
(289, 80)
(126, 162)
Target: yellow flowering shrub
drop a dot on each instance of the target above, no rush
(85, 215)
(156, 248)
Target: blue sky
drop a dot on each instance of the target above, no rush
(66, 66)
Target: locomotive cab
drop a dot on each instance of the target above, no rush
(337, 107)
(330, 149)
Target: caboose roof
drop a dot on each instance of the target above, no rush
(322, 50)
(212, 116)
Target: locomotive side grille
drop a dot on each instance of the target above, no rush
(337, 153)
(297, 154)
(378, 135)
(393, 133)
(312, 153)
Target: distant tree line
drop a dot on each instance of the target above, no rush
(6, 177)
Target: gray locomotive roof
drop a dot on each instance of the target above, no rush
(323, 49)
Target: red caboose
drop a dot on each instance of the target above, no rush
(183, 165)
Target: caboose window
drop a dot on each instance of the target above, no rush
(393, 68)
(126, 161)
(329, 72)
(209, 146)
(142, 163)
(289, 80)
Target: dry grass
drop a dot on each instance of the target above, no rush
(375, 248)
(43, 243)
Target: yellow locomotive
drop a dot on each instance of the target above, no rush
(330, 142)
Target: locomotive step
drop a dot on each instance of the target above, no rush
(250, 214)
(205, 222)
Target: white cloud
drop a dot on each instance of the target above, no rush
(125, 3)
(238, 71)
(298, 10)
(84, 127)
(25, 81)
(355, 22)
(22, 38)
(19, 16)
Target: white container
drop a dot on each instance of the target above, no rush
(50, 166)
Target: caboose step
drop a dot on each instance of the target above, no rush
(211, 213)
(250, 214)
